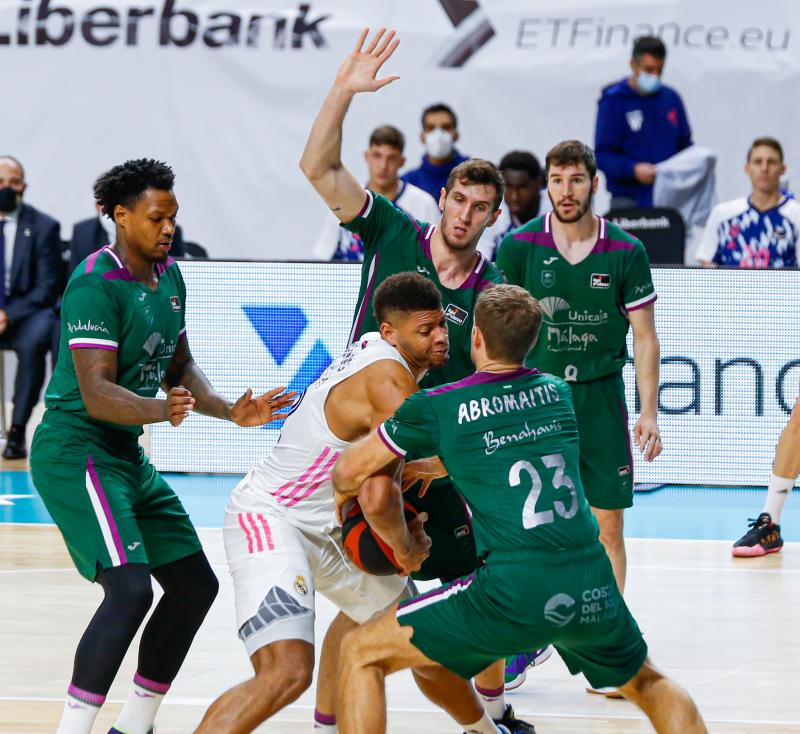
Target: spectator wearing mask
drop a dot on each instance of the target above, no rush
(30, 259)
(384, 158)
(90, 235)
(757, 231)
(640, 122)
(521, 203)
(439, 136)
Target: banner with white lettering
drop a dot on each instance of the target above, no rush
(226, 91)
(729, 362)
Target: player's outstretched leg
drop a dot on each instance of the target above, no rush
(128, 596)
(382, 647)
(190, 588)
(668, 706)
(283, 671)
(764, 535)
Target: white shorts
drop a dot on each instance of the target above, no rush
(277, 568)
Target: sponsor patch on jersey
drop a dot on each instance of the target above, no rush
(601, 280)
(455, 314)
(548, 278)
(176, 303)
(300, 585)
(461, 532)
(624, 471)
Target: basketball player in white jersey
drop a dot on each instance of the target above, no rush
(281, 535)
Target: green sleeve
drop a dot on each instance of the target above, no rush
(378, 221)
(637, 284)
(91, 315)
(413, 427)
(509, 262)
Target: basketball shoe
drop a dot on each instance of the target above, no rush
(512, 723)
(763, 537)
(517, 665)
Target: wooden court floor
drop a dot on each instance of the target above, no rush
(728, 630)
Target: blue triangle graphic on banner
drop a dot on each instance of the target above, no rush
(279, 327)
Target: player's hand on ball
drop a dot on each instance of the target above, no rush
(359, 70)
(647, 437)
(178, 405)
(422, 470)
(250, 411)
(418, 546)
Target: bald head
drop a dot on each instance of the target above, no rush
(11, 173)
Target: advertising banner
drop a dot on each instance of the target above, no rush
(729, 363)
(226, 91)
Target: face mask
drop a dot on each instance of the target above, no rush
(438, 143)
(8, 199)
(648, 83)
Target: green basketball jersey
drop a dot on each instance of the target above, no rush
(395, 243)
(510, 444)
(105, 307)
(585, 306)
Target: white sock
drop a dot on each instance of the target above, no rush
(80, 710)
(494, 701)
(139, 712)
(324, 723)
(778, 492)
(484, 725)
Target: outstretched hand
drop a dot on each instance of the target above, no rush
(359, 70)
(424, 470)
(250, 411)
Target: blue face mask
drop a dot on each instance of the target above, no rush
(648, 83)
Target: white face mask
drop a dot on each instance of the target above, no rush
(438, 143)
(648, 83)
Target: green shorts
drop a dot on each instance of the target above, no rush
(449, 527)
(524, 600)
(110, 504)
(606, 461)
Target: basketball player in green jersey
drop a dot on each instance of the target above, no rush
(509, 437)
(445, 252)
(593, 281)
(123, 335)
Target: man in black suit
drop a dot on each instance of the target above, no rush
(89, 235)
(30, 254)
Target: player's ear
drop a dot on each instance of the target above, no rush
(494, 216)
(387, 332)
(120, 215)
(595, 184)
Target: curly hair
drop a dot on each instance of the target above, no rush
(405, 293)
(125, 183)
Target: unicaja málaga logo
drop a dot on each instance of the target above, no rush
(558, 610)
(280, 328)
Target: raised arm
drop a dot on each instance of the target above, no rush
(322, 158)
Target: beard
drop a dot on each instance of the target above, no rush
(459, 246)
(580, 210)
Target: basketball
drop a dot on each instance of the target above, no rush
(364, 548)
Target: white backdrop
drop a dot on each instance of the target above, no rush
(730, 365)
(232, 117)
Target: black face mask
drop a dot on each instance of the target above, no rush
(8, 199)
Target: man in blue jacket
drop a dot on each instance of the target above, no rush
(640, 122)
(439, 136)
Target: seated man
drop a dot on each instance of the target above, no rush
(523, 199)
(757, 231)
(439, 136)
(281, 536)
(508, 437)
(384, 159)
(30, 259)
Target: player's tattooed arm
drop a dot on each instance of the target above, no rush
(183, 373)
(105, 400)
(322, 158)
(646, 360)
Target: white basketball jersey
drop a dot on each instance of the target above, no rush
(295, 479)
